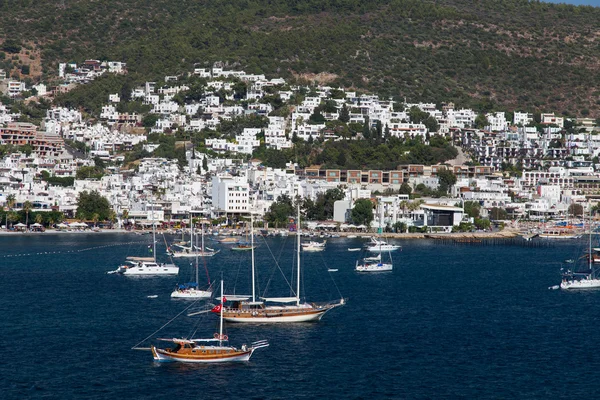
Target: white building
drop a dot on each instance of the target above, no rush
(230, 194)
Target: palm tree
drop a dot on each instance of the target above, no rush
(95, 218)
(403, 205)
(38, 218)
(10, 203)
(79, 215)
(27, 206)
(112, 217)
(125, 216)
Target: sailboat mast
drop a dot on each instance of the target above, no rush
(590, 242)
(298, 259)
(202, 227)
(197, 280)
(221, 316)
(252, 254)
(153, 232)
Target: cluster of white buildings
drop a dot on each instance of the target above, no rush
(218, 186)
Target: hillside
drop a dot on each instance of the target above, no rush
(485, 54)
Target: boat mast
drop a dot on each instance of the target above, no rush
(191, 232)
(202, 227)
(197, 279)
(298, 250)
(153, 231)
(221, 316)
(590, 245)
(252, 254)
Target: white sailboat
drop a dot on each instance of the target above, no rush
(374, 263)
(192, 290)
(249, 309)
(587, 279)
(199, 351)
(146, 266)
(181, 251)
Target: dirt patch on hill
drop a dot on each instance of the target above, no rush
(320, 78)
(31, 56)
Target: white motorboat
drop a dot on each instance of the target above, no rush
(313, 246)
(146, 266)
(378, 246)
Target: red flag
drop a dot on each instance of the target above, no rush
(217, 308)
(224, 299)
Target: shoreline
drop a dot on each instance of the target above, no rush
(504, 234)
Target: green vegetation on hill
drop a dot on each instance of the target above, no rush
(360, 154)
(484, 54)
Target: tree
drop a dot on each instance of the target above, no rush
(472, 208)
(10, 203)
(27, 206)
(481, 121)
(482, 223)
(362, 213)
(329, 199)
(344, 115)
(446, 178)
(205, 163)
(280, 211)
(575, 209)
(95, 218)
(498, 214)
(405, 189)
(149, 120)
(92, 203)
(367, 129)
(125, 217)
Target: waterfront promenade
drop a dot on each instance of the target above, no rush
(505, 233)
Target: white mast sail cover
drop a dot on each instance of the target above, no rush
(280, 299)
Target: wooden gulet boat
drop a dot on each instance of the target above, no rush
(199, 351)
(246, 309)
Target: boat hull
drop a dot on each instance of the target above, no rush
(151, 270)
(191, 294)
(581, 284)
(382, 248)
(275, 316)
(190, 255)
(559, 237)
(374, 268)
(208, 355)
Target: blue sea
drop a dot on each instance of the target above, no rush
(450, 321)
